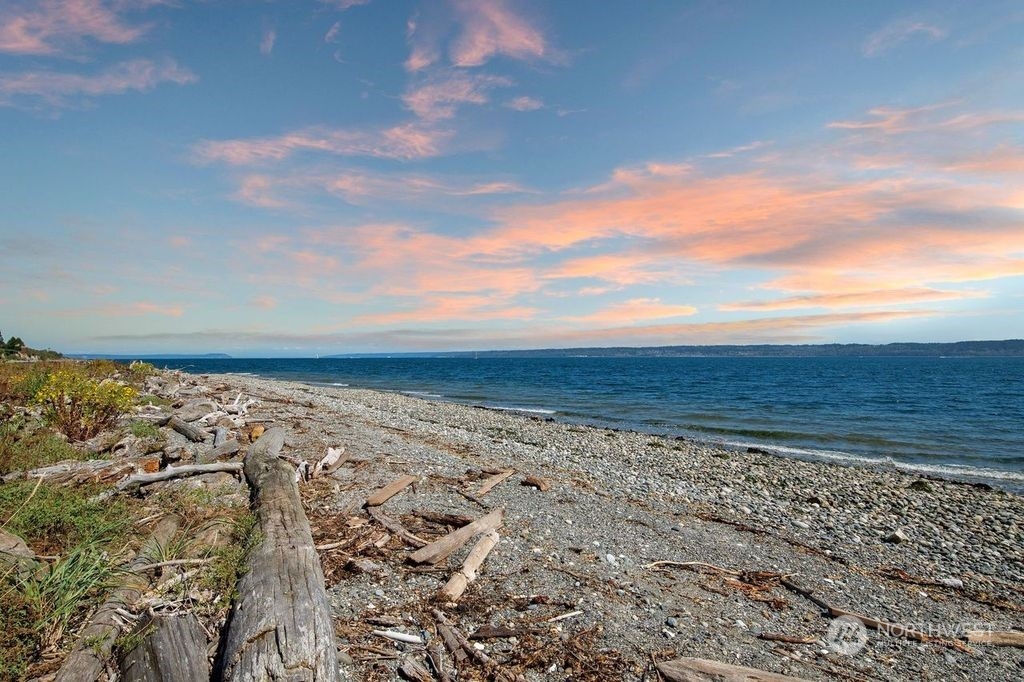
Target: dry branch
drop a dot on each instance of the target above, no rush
(395, 527)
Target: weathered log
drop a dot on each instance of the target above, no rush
(390, 490)
(220, 435)
(441, 549)
(280, 626)
(225, 449)
(92, 649)
(139, 480)
(996, 637)
(493, 481)
(412, 670)
(333, 460)
(15, 555)
(173, 649)
(458, 583)
(457, 520)
(704, 670)
(76, 472)
(194, 434)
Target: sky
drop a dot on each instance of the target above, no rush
(343, 176)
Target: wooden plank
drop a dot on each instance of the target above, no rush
(493, 481)
(704, 670)
(541, 484)
(442, 548)
(280, 626)
(173, 649)
(390, 490)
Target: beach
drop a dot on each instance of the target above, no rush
(933, 556)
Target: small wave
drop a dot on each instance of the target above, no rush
(944, 470)
(422, 394)
(530, 410)
(338, 383)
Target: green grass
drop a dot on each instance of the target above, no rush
(228, 564)
(25, 446)
(145, 430)
(38, 609)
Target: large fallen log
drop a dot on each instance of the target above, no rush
(704, 670)
(173, 649)
(441, 549)
(280, 626)
(88, 659)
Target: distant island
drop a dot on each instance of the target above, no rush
(149, 356)
(1006, 348)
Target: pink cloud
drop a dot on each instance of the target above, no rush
(847, 299)
(407, 141)
(48, 27)
(265, 302)
(525, 103)
(332, 33)
(447, 308)
(636, 310)
(490, 29)
(136, 309)
(56, 89)
(440, 96)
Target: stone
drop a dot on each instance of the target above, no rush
(897, 536)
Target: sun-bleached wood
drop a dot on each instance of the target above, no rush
(280, 627)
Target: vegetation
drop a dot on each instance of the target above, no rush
(79, 406)
(39, 608)
(24, 446)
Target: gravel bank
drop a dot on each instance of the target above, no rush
(942, 555)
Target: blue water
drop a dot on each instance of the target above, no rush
(944, 415)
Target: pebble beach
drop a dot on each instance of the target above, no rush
(652, 541)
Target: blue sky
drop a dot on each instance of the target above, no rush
(296, 178)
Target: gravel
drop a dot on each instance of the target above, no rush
(941, 555)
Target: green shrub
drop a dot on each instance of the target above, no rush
(52, 518)
(145, 430)
(79, 406)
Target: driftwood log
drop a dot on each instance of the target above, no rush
(173, 649)
(280, 627)
(458, 583)
(88, 659)
(390, 490)
(493, 481)
(441, 549)
(196, 435)
(704, 670)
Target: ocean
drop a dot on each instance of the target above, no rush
(956, 417)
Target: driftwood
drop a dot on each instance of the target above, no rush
(333, 460)
(390, 490)
(280, 626)
(441, 549)
(15, 555)
(91, 651)
(704, 670)
(457, 520)
(220, 435)
(541, 484)
(139, 480)
(788, 639)
(228, 447)
(455, 636)
(493, 481)
(76, 472)
(411, 670)
(996, 637)
(194, 434)
(395, 527)
(458, 583)
(173, 649)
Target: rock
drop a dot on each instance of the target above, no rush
(897, 536)
(672, 622)
(951, 582)
(256, 432)
(801, 524)
(195, 409)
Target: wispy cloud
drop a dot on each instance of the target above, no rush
(345, 4)
(332, 33)
(492, 28)
(900, 31)
(62, 89)
(873, 298)
(440, 96)
(406, 141)
(525, 103)
(50, 27)
(636, 311)
(136, 309)
(268, 40)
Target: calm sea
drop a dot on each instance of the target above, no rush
(952, 416)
